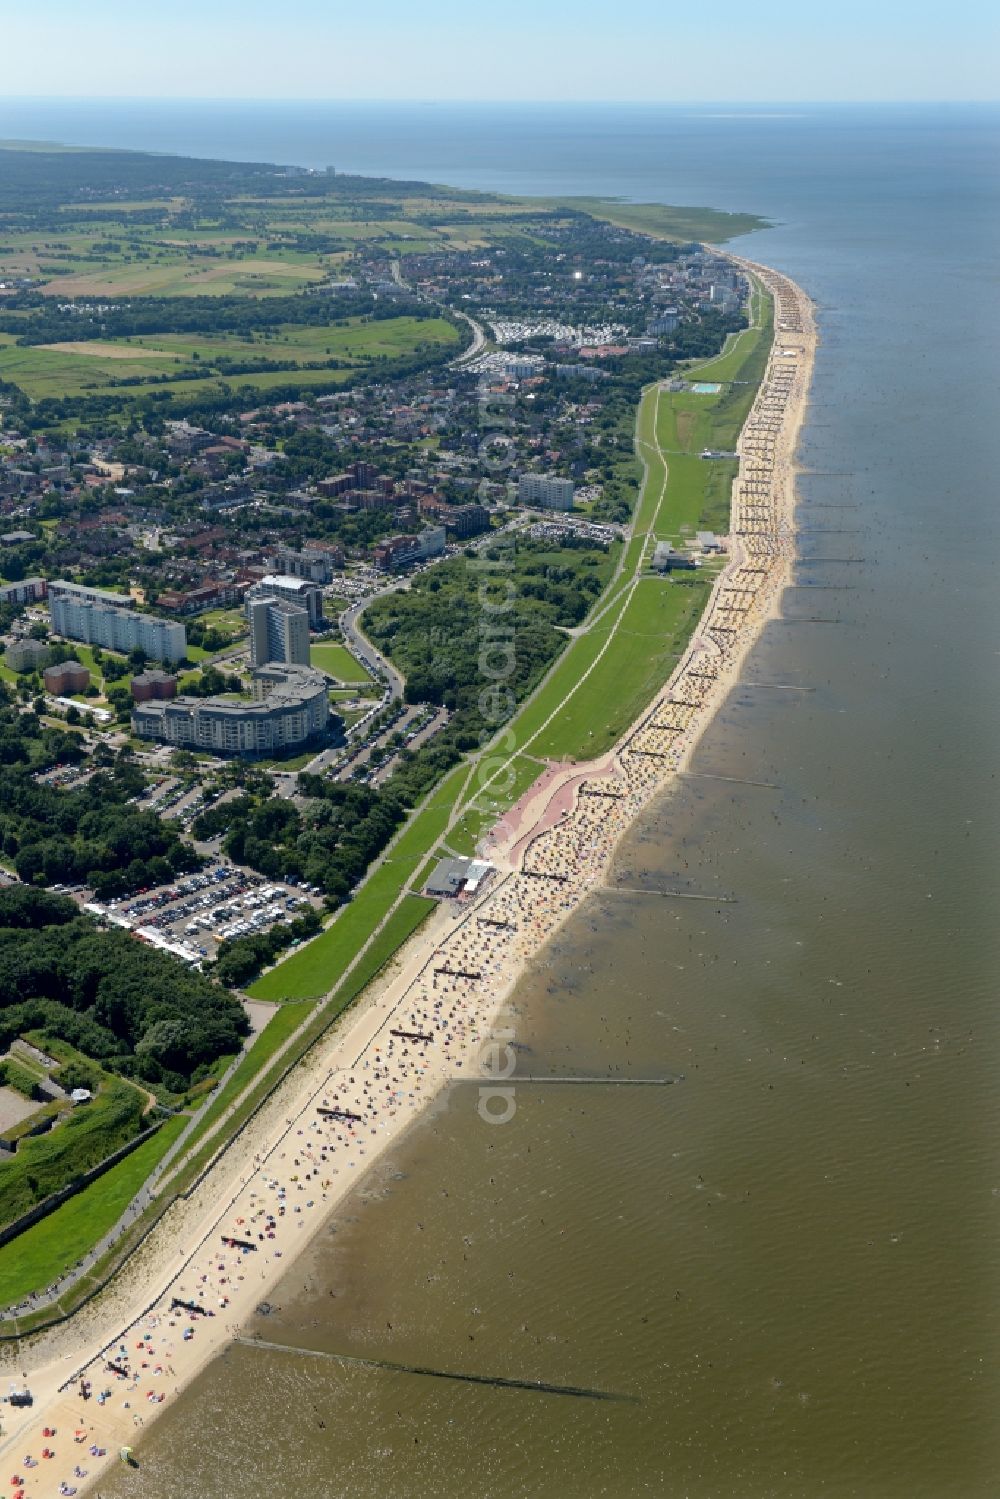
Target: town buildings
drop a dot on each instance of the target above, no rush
(313, 566)
(290, 710)
(100, 618)
(279, 631)
(28, 591)
(546, 490)
(295, 590)
(66, 678)
(403, 551)
(25, 655)
(153, 686)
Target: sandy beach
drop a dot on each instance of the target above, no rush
(216, 1256)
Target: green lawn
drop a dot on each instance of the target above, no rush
(655, 627)
(36, 1257)
(662, 220)
(338, 662)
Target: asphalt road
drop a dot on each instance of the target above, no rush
(366, 652)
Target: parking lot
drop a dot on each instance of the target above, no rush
(195, 915)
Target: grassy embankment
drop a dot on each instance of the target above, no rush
(243, 1094)
(34, 1259)
(80, 1138)
(313, 969)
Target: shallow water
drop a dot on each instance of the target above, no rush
(784, 1262)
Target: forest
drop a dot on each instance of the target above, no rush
(134, 1009)
(89, 834)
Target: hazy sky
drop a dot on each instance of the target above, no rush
(662, 50)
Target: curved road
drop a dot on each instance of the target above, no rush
(478, 340)
(366, 653)
(478, 332)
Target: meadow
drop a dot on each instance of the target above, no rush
(166, 362)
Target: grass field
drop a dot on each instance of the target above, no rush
(36, 1257)
(662, 220)
(338, 662)
(59, 370)
(482, 814)
(655, 626)
(176, 276)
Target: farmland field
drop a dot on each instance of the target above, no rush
(78, 368)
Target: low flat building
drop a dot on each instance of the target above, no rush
(667, 560)
(454, 877)
(709, 542)
(153, 686)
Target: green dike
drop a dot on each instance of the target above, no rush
(81, 1140)
(34, 1259)
(655, 626)
(314, 969)
(411, 911)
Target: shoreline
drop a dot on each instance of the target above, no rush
(446, 994)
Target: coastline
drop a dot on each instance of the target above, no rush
(560, 842)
